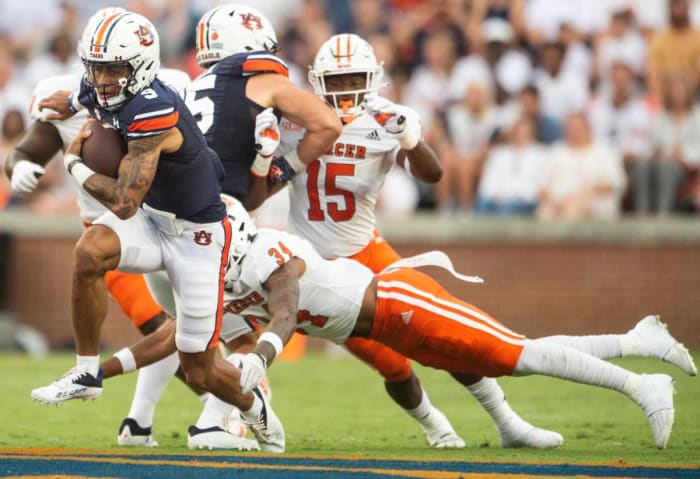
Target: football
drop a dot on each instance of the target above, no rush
(103, 150)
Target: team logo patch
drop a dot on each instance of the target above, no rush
(251, 22)
(373, 135)
(202, 238)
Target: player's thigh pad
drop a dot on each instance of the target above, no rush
(159, 286)
(195, 261)
(140, 243)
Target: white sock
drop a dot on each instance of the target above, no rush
(551, 359)
(492, 398)
(90, 363)
(421, 412)
(252, 414)
(603, 346)
(150, 385)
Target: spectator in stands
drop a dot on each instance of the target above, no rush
(674, 51)
(676, 150)
(583, 178)
(11, 130)
(547, 128)
(622, 42)
(494, 60)
(471, 126)
(621, 118)
(512, 173)
(561, 92)
(60, 58)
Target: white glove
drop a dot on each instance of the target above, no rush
(406, 128)
(252, 371)
(25, 176)
(267, 133)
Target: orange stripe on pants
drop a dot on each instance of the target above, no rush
(393, 367)
(132, 295)
(418, 318)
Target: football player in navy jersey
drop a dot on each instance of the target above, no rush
(237, 101)
(164, 213)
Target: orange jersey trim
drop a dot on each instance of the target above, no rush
(261, 65)
(152, 124)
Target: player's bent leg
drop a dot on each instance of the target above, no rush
(653, 393)
(513, 431)
(131, 293)
(404, 388)
(214, 429)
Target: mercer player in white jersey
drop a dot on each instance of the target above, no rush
(332, 205)
(278, 279)
(47, 139)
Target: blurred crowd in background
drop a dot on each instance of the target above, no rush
(557, 109)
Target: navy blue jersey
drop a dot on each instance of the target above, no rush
(218, 101)
(188, 181)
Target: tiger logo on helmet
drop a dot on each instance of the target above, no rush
(233, 28)
(119, 38)
(346, 54)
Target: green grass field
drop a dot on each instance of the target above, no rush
(333, 407)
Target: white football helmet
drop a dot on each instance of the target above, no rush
(243, 232)
(233, 28)
(120, 39)
(344, 54)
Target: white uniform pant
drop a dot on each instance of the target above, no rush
(194, 256)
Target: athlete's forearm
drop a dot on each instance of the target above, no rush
(123, 196)
(423, 163)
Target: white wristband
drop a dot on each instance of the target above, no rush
(74, 104)
(127, 359)
(274, 340)
(77, 168)
(293, 159)
(261, 166)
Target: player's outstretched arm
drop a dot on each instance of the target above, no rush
(283, 286)
(63, 102)
(154, 347)
(322, 126)
(26, 161)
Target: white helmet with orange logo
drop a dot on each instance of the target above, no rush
(233, 28)
(344, 54)
(120, 39)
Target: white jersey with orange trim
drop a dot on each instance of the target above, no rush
(333, 201)
(89, 207)
(330, 291)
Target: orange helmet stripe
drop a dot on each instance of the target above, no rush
(99, 40)
(348, 45)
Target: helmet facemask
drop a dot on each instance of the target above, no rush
(345, 92)
(243, 233)
(125, 83)
(353, 58)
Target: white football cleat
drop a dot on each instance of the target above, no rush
(655, 397)
(650, 338)
(439, 432)
(75, 384)
(267, 427)
(133, 435)
(217, 438)
(519, 433)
